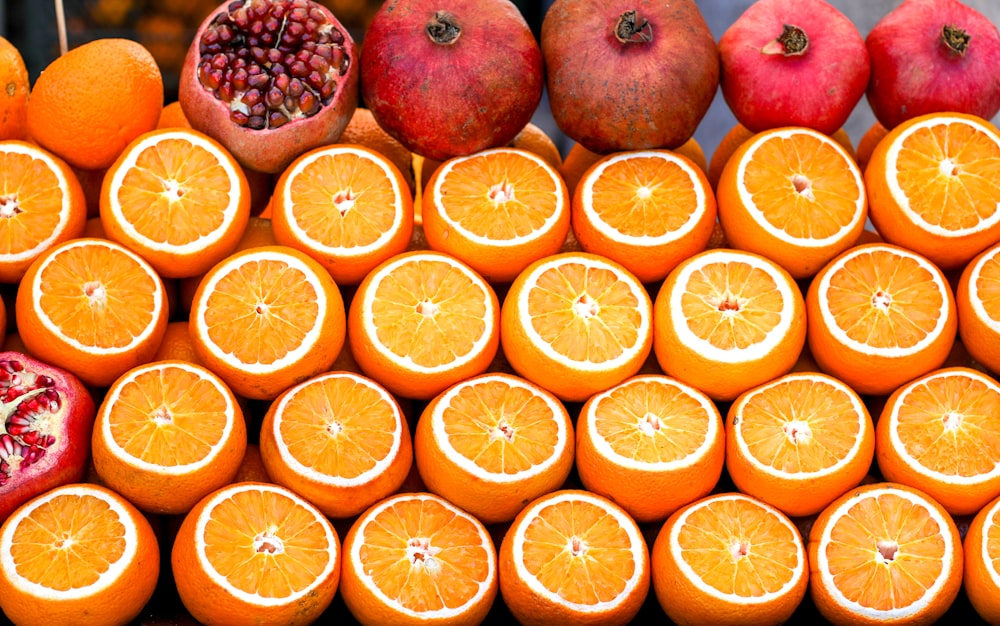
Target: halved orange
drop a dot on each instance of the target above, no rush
(977, 298)
(981, 549)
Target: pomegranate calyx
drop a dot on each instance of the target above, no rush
(955, 40)
(792, 41)
(444, 28)
(630, 28)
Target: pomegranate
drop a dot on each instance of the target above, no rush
(448, 78)
(929, 56)
(270, 79)
(628, 74)
(48, 416)
(793, 63)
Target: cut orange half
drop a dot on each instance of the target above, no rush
(347, 206)
(977, 298)
(981, 549)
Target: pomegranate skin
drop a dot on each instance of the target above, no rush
(269, 150)
(914, 72)
(47, 444)
(628, 83)
(772, 77)
(442, 95)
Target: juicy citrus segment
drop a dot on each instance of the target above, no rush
(344, 199)
(884, 553)
(97, 296)
(585, 313)
(181, 175)
(423, 557)
(339, 428)
(943, 173)
(263, 544)
(737, 549)
(802, 185)
(39, 537)
(499, 196)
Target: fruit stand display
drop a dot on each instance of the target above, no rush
(445, 311)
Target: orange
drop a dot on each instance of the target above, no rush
(177, 198)
(576, 323)
(884, 554)
(267, 318)
(498, 210)
(940, 434)
(177, 344)
(492, 443)
(533, 139)
(793, 195)
(729, 559)
(981, 549)
(421, 322)
(339, 440)
(41, 202)
(977, 299)
(645, 209)
(93, 307)
(867, 143)
(256, 549)
(77, 554)
(932, 187)
(14, 98)
(579, 159)
(363, 130)
(879, 316)
(573, 557)
(651, 444)
(726, 320)
(346, 206)
(172, 116)
(416, 559)
(167, 434)
(83, 117)
(799, 442)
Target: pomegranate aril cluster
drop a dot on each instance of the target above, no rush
(29, 401)
(273, 61)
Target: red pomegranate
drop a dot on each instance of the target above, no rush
(451, 77)
(48, 416)
(270, 79)
(628, 74)
(793, 63)
(930, 56)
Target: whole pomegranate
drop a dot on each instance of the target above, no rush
(48, 416)
(929, 56)
(628, 74)
(793, 63)
(270, 79)
(451, 77)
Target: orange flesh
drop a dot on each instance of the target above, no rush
(425, 556)
(499, 196)
(885, 552)
(169, 417)
(429, 311)
(97, 296)
(344, 201)
(948, 424)
(651, 422)
(178, 179)
(502, 428)
(644, 196)
(30, 202)
(68, 542)
(884, 300)
(799, 426)
(803, 186)
(265, 543)
(339, 427)
(732, 305)
(739, 548)
(261, 310)
(584, 313)
(992, 527)
(949, 173)
(577, 550)
(987, 287)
